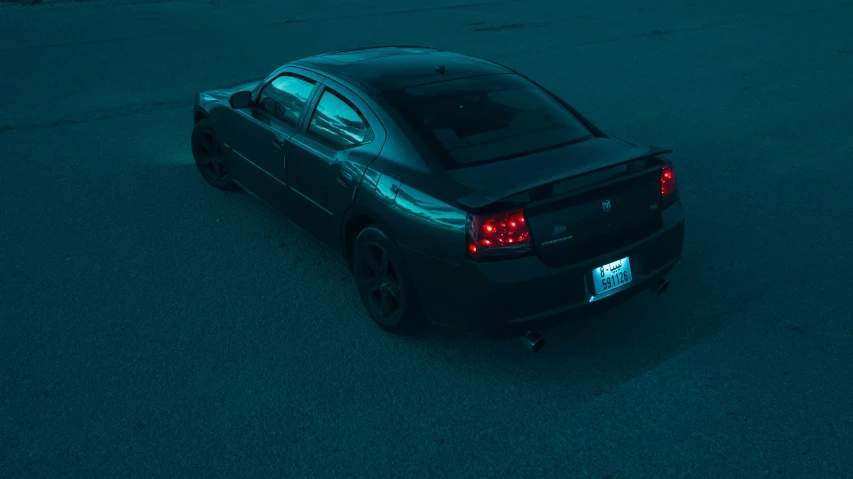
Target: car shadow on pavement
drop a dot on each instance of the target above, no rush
(583, 359)
(590, 356)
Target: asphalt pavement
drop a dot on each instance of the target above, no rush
(152, 326)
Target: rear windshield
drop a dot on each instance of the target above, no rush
(484, 119)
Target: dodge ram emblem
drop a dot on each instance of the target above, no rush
(605, 205)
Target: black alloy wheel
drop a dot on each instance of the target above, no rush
(383, 283)
(209, 158)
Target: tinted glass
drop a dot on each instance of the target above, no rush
(289, 95)
(484, 119)
(337, 122)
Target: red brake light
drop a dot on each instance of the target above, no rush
(499, 234)
(667, 181)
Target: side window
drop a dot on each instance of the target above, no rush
(286, 97)
(338, 123)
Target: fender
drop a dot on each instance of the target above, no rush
(364, 205)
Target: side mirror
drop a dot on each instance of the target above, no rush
(241, 99)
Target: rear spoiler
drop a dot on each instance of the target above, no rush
(480, 199)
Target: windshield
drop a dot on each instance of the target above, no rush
(487, 118)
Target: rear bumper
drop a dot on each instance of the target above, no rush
(511, 297)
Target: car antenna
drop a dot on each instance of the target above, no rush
(440, 69)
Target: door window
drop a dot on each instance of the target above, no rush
(286, 96)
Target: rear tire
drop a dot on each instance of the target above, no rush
(209, 158)
(384, 284)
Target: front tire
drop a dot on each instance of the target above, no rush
(209, 158)
(384, 283)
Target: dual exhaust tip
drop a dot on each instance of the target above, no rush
(534, 341)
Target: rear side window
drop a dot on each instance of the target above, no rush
(484, 119)
(338, 123)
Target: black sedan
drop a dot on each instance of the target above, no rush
(458, 190)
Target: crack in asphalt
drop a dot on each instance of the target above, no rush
(659, 32)
(266, 24)
(156, 105)
(99, 115)
(508, 26)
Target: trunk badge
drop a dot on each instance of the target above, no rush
(605, 205)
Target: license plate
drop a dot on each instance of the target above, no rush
(611, 276)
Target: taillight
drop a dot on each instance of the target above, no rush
(667, 182)
(498, 235)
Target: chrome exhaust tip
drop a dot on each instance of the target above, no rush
(533, 341)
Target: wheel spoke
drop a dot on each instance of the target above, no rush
(374, 263)
(391, 273)
(393, 289)
(217, 169)
(384, 260)
(386, 303)
(372, 284)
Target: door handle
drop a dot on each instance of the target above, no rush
(279, 142)
(344, 178)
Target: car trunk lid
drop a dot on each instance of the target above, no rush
(597, 219)
(580, 201)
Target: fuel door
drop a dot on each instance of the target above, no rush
(387, 187)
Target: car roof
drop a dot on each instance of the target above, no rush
(395, 67)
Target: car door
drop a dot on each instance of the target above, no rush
(276, 114)
(329, 156)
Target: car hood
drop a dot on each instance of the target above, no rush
(494, 181)
(223, 94)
